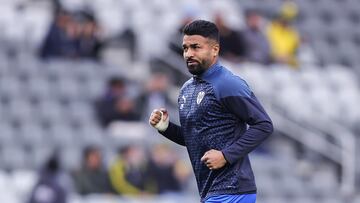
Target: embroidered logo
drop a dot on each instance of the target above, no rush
(200, 97)
(182, 103)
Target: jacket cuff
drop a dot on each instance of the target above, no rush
(229, 159)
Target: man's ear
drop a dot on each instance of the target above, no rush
(216, 49)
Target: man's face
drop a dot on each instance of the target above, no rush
(94, 160)
(199, 53)
(254, 21)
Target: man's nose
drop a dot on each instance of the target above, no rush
(188, 54)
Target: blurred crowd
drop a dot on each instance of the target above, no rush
(134, 171)
(71, 36)
(119, 103)
(78, 35)
(264, 39)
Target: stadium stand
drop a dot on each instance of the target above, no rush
(47, 106)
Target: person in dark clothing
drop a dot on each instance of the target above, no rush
(92, 178)
(257, 48)
(49, 189)
(175, 40)
(60, 42)
(233, 45)
(88, 41)
(162, 169)
(154, 94)
(221, 120)
(72, 36)
(115, 105)
(129, 173)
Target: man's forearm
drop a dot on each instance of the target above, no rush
(173, 133)
(252, 138)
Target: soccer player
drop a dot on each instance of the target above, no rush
(221, 120)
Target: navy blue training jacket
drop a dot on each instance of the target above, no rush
(219, 111)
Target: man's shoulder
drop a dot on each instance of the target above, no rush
(227, 84)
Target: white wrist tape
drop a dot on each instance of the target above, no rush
(162, 125)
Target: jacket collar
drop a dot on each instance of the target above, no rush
(216, 66)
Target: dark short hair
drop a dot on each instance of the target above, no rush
(116, 81)
(203, 28)
(89, 150)
(252, 11)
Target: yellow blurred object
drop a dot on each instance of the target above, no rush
(284, 42)
(289, 10)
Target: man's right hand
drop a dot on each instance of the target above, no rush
(159, 119)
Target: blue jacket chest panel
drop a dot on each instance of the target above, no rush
(201, 114)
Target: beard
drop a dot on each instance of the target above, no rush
(195, 67)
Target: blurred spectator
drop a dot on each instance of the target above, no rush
(115, 104)
(93, 176)
(49, 188)
(89, 44)
(129, 173)
(163, 168)
(175, 43)
(283, 37)
(155, 94)
(61, 38)
(72, 35)
(233, 46)
(257, 45)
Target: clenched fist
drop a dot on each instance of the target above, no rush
(213, 159)
(159, 119)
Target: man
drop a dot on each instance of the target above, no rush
(215, 108)
(49, 188)
(115, 104)
(233, 44)
(129, 173)
(92, 178)
(283, 37)
(257, 45)
(60, 41)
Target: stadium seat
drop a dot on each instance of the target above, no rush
(325, 52)
(10, 87)
(50, 110)
(81, 110)
(38, 87)
(70, 158)
(92, 135)
(32, 135)
(14, 157)
(7, 134)
(62, 135)
(67, 88)
(21, 109)
(348, 53)
(23, 182)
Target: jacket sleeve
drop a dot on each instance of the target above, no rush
(173, 133)
(250, 111)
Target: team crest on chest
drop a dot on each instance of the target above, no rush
(200, 97)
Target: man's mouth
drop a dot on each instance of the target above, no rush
(192, 62)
